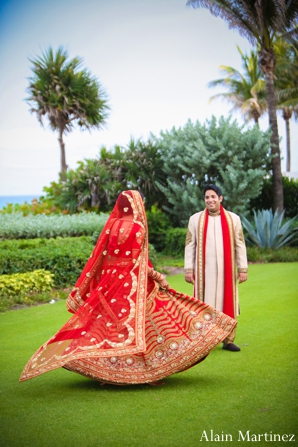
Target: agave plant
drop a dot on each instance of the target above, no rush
(269, 232)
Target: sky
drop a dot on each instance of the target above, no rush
(154, 59)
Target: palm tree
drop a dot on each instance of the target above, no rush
(286, 84)
(245, 90)
(260, 21)
(66, 94)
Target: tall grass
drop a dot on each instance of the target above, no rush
(253, 390)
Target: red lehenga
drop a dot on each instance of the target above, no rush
(126, 329)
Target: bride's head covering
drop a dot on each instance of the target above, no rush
(124, 232)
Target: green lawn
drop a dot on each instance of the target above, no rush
(254, 390)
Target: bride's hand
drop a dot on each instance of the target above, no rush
(164, 284)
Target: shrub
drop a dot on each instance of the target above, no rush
(17, 226)
(264, 255)
(64, 257)
(269, 231)
(265, 198)
(152, 255)
(23, 283)
(175, 242)
(96, 183)
(89, 187)
(218, 151)
(159, 225)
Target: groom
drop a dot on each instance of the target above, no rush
(215, 257)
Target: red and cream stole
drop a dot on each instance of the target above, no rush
(229, 259)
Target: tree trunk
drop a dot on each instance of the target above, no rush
(288, 145)
(278, 199)
(94, 198)
(287, 113)
(256, 118)
(62, 151)
(255, 115)
(267, 64)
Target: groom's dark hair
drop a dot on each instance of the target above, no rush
(213, 188)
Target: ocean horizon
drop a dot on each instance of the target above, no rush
(4, 200)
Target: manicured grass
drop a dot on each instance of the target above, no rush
(255, 389)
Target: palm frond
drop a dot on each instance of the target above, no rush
(246, 90)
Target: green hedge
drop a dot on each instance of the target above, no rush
(175, 241)
(159, 225)
(17, 226)
(64, 257)
(264, 255)
(23, 283)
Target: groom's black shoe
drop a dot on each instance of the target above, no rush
(231, 347)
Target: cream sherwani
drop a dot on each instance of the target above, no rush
(212, 291)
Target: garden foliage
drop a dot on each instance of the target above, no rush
(170, 170)
(268, 231)
(88, 187)
(143, 169)
(159, 225)
(265, 199)
(267, 255)
(41, 205)
(175, 242)
(64, 257)
(219, 152)
(17, 226)
(23, 283)
(96, 183)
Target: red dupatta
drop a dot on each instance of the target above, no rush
(109, 298)
(228, 250)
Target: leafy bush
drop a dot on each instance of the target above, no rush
(17, 226)
(293, 226)
(265, 199)
(96, 183)
(23, 283)
(218, 151)
(175, 242)
(269, 231)
(89, 187)
(264, 255)
(152, 255)
(64, 257)
(159, 225)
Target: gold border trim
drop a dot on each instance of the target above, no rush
(200, 257)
